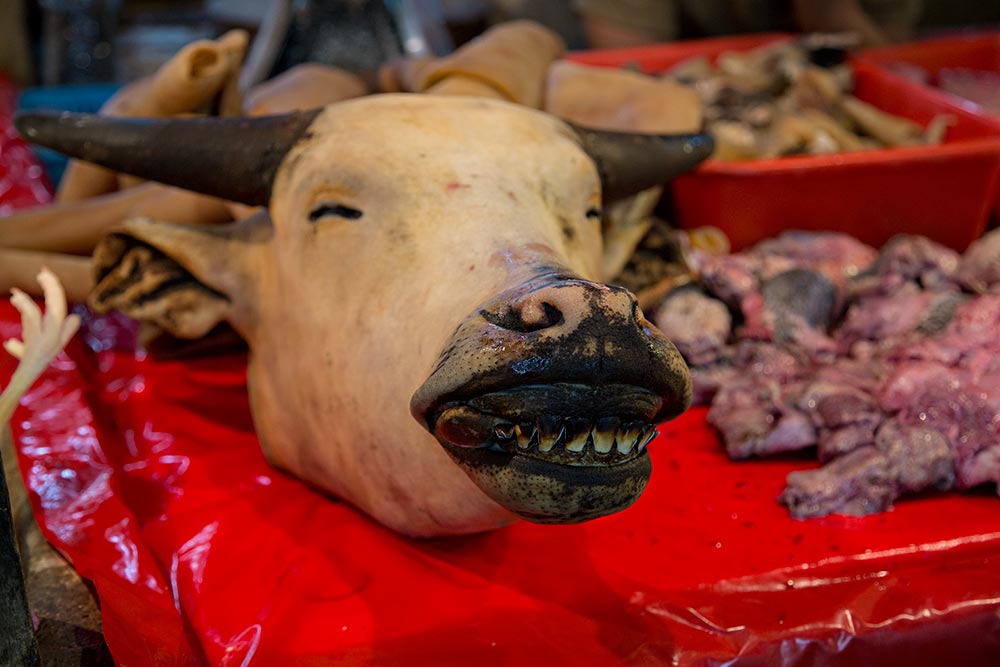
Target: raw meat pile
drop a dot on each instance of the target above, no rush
(888, 363)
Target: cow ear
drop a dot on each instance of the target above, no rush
(186, 279)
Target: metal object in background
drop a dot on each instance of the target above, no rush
(356, 35)
(77, 40)
(422, 27)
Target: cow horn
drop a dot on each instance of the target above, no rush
(629, 163)
(231, 158)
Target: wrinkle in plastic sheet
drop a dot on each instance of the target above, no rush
(148, 475)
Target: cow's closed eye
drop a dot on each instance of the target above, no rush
(333, 209)
(594, 213)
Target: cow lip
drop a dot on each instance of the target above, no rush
(550, 492)
(560, 423)
(552, 453)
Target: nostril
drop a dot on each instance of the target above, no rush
(525, 317)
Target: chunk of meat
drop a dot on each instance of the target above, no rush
(887, 318)
(837, 256)
(857, 483)
(801, 292)
(908, 258)
(920, 457)
(963, 408)
(696, 323)
(979, 269)
(904, 460)
(900, 394)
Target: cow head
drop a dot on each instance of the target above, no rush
(424, 264)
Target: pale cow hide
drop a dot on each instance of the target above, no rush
(428, 337)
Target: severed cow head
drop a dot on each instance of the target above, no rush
(425, 266)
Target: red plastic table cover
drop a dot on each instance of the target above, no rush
(147, 474)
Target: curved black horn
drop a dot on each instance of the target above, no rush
(232, 158)
(629, 163)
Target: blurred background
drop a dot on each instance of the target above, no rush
(57, 42)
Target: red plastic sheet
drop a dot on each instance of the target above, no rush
(22, 179)
(147, 474)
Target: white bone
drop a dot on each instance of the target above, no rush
(44, 337)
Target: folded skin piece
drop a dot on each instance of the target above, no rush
(197, 73)
(75, 227)
(91, 200)
(632, 102)
(403, 75)
(509, 61)
(306, 86)
(629, 100)
(234, 45)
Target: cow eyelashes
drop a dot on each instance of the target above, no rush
(327, 209)
(594, 213)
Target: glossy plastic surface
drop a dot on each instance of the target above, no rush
(22, 179)
(978, 52)
(973, 52)
(147, 474)
(943, 192)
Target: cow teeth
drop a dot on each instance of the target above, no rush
(604, 434)
(527, 435)
(550, 433)
(648, 439)
(504, 433)
(578, 442)
(604, 442)
(628, 436)
(577, 429)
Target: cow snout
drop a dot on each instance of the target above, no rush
(580, 331)
(557, 330)
(547, 395)
(560, 307)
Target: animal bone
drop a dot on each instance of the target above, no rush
(43, 337)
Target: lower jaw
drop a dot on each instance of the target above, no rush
(544, 492)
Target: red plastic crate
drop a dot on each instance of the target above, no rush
(943, 192)
(978, 52)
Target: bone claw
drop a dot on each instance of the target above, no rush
(31, 316)
(55, 297)
(14, 347)
(43, 336)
